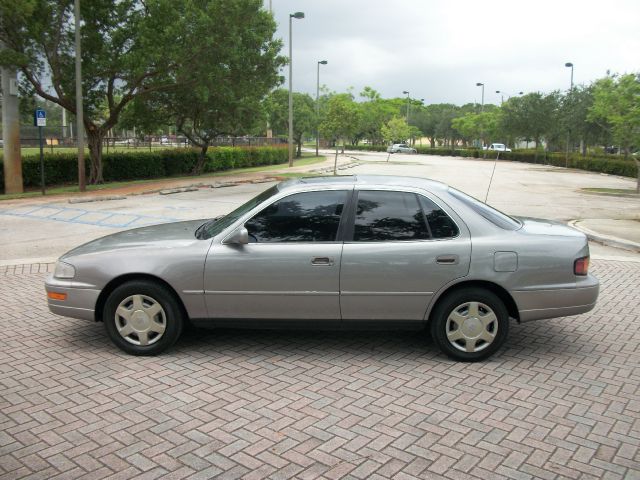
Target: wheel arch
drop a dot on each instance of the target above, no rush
(499, 291)
(116, 282)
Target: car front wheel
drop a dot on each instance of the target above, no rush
(470, 325)
(143, 317)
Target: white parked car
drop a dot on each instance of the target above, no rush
(498, 147)
(401, 148)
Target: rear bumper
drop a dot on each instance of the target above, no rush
(79, 303)
(562, 302)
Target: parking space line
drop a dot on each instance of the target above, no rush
(101, 222)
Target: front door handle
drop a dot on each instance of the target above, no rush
(447, 259)
(322, 261)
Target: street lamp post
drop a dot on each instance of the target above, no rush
(482, 104)
(407, 94)
(321, 62)
(502, 94)
(566, 156)
(479, 84)
(570, 65)
(297, 15)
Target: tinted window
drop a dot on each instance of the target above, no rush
(215, 226)
(440, 223)
(390, 216)
(302, 217)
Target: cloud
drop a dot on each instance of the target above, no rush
(439, 49)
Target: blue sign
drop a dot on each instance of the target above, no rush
(40, 118)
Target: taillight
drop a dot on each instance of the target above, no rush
(581, 266)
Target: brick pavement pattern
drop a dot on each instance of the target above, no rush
(561, 400)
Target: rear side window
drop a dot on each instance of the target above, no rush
(302, 217)
(440, 224)
(399, 216)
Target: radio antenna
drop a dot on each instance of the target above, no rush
(495, 162)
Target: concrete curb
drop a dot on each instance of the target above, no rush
(607, 240)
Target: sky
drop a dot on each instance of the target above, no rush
(438, 50)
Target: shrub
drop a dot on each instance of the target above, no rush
(61, 168)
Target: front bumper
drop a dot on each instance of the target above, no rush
(560, 302)
(80, 301)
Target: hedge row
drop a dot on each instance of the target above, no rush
(613, 166)
(62, 168)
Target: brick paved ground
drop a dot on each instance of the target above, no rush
(561, 401)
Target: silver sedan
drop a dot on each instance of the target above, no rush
(355, 252)
(401, 148)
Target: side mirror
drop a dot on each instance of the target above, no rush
(240, 236)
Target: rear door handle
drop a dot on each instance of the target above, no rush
(322, 261)
(447, 259)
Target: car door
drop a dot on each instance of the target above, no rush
(400, 248)
(289, 270)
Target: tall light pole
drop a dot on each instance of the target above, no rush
(570, 65)
(297, 15)
(321, 62)
(407, 94)
(482, 104)
(502, 94)
(566, 157)
(79, 112)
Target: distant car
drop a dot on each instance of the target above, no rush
(497, 147)
(346, 252)
(401, 148)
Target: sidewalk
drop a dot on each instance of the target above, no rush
(612, 232)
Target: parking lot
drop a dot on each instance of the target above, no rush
(561, 400)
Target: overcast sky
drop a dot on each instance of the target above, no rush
(438, 50)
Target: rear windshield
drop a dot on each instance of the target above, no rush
(494, 216)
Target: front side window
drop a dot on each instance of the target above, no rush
(301, 217)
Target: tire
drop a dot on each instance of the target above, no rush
(143, 317)
(479, 334)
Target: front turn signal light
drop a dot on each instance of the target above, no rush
(581, 266)
(57, 296)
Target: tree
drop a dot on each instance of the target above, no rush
(375, 111)
(533, 116)
(341, 119)
(428, 118)
(395, 130)
(484, 126)
(304, 115)
(131, 49)
(617, 101)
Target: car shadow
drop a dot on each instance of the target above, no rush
(555, 338)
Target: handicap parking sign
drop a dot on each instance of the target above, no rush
(40, 118)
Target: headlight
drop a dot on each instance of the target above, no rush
(64, 270)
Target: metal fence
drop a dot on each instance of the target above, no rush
(54, 138)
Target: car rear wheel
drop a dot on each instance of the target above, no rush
(143, 317)
(470, 325)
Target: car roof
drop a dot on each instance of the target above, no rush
(367, 180)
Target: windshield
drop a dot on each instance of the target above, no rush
(494, 216)
(215, 226)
